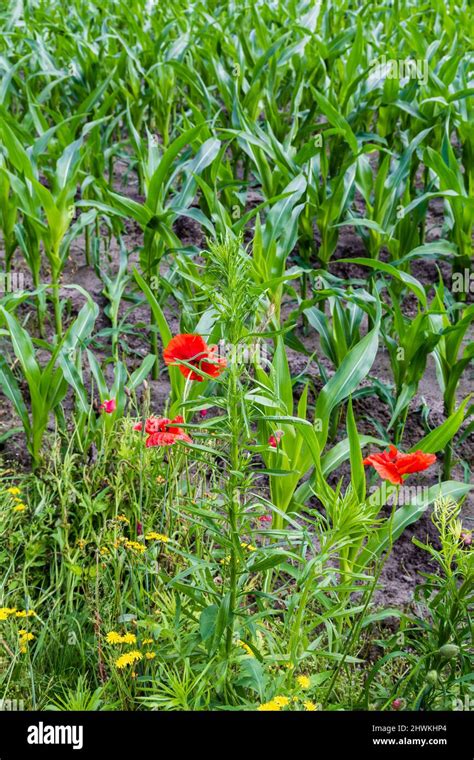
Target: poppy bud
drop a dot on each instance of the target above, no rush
(203, 413)
(466, 537)
(432, 677)
(139, 529)
(448, 651)
(397, 704)
(109, 406)
(274, 440)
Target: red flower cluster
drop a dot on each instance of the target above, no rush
(162, 431)
(193, 349)
(391, 465)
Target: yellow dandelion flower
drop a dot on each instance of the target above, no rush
(104, 550)
(122, 518)
(150, 655)
(309, 706)
(249, 547)
(128, 659)
(116, 638)
(113, 637)
(153, 536)
(13, 490)
(26, 637)
(23, 649)
(281, 701)
(147, 641)
(303, 681)
(271, 706)
(19, 508)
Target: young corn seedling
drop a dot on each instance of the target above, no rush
(55, 205)
(453, 355)
(47, 385)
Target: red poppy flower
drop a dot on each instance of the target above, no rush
(391, 465)
(193, 349)
(274, 440)
(108, 406)
(163, 431)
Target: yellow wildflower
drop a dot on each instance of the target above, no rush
(304, 682)
(147, 641)
(122, 518)
(13, 490)
(113, 637)
(309, 706)
(5, 612)
(152, 536)
(26, 637)
(128, 659)
(249, 547)
(24, 613)
(135, 546)
(281, 701)
(150, 655)
(246, 647)
(19, 508)
(272, 706)
(116, 638)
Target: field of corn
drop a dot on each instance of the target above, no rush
(236, 355)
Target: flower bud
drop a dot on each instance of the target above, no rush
(448, 651)
(397, 704)
(432, 677)
(466, 537)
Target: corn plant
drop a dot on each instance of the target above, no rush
(47, 385)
